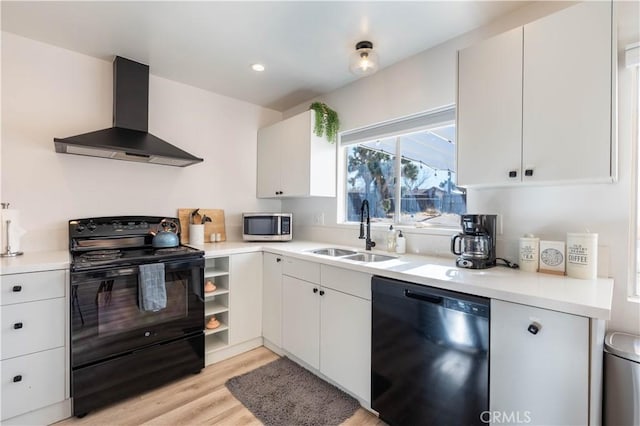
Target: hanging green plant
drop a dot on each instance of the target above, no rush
(327, 121)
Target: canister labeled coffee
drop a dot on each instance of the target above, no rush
(582, 255)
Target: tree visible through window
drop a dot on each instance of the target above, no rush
(408, 176)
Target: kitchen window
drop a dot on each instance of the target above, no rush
(405, 169)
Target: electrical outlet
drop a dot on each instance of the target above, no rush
(318, 218)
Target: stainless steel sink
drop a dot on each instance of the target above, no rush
(332, 251)
(369, 257)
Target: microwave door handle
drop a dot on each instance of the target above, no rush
(279, 230)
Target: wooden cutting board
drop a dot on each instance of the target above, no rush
(215, 226)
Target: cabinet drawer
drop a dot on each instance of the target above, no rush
(346, 281)
(32, 327)
(32, 381)
(308, 271)
(18, 288)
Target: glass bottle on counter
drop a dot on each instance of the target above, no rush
(391, 239)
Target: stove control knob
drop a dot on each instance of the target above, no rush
(80, 227)
(144, 225)
(91, 226)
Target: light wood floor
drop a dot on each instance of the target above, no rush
(200, 399)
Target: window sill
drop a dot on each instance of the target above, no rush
(406, 229)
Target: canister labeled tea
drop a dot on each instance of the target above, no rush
(582, 255)
(528, 253)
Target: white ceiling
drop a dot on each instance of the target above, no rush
(304, 45)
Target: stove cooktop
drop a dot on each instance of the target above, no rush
(121, 241)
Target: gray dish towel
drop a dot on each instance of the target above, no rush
(152, 294)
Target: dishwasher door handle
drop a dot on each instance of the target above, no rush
(436, 300)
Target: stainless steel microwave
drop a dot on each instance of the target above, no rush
(267, 226)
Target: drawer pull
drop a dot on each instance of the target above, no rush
(17, 326)
(17, 378)
(17, 288)
(534, 328)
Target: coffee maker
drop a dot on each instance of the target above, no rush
(476, 244)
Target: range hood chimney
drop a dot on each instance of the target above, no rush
(129, 138)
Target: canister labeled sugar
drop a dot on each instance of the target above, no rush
(582, 255)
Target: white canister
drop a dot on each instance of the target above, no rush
(528, 253)
(582, 255)
(196, 234)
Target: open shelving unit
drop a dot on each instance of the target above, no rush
(216, 303)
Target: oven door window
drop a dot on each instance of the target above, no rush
(118, 308)
(107, 319)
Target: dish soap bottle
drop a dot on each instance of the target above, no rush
(401, 244)
(391, 239)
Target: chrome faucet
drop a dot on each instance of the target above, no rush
(368, 242)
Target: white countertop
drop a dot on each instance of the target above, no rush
(35, 262)
(589, 298)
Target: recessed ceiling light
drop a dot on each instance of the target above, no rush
(257, 67)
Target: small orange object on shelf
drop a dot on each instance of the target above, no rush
(209, 286)
(213, 323)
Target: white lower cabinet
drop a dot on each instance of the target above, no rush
(345, 341)
(272, 298)
(236, 303)
(539, 366)
(326, 322)
(245, 298)
(32, 381)
(301, 319)
(34, 361)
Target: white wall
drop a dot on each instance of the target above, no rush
(50, 92)
(427, 81)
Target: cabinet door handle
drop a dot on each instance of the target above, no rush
(17, 378)
(528, 172)
(278, 260)
(17, 326)
(315, 290)
(534, 328)
(513, 173)
(321, 292)
(17, 288)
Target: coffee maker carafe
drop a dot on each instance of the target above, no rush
(476, 244)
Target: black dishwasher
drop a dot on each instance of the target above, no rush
(429, 355)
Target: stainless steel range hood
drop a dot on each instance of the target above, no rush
(129, 138)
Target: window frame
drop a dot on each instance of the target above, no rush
(439, 117)
(632, 59)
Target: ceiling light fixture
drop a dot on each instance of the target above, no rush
(364, 61)
(257, 67)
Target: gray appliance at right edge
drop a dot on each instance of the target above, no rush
(621, 379)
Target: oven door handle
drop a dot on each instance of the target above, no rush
(78, 277)
(106, 274)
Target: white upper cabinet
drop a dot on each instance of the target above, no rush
(567, 90)
(535, 104)
(293, 161)
(490, 110)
